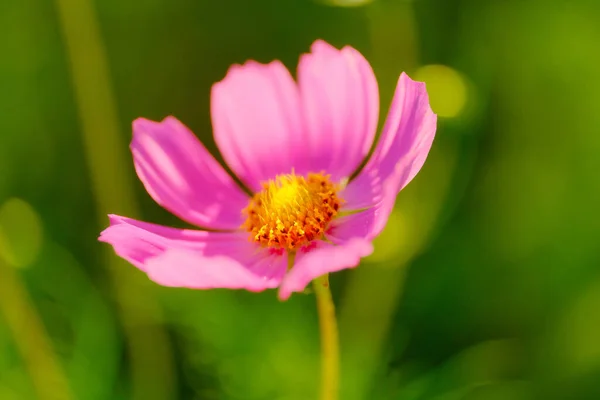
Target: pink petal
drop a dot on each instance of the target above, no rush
(357, 225)
(320, 258)
(265, 124)
(181, 175)
(138, 241)
(257, 123)
(401, 152)
(363, 192)
(340, 101)
(185, 268)
(195, 259)
(407, 135)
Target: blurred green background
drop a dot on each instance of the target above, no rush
(484, 286)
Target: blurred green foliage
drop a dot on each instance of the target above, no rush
(484, 286)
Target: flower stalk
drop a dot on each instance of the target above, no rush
(330, 362)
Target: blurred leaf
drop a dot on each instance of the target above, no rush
(478, 366)
(79, 321)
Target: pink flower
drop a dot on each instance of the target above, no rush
(294, 145)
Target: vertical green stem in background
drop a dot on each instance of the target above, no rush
(30, 338)
(371, 296)
(149, 352)
(394, 44)
(330, 351)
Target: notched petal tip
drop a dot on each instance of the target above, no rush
(321, 45)
(140, 121)
(249, 66)
(420, 88)
(145, 125)
(113, 220)
(142, 124)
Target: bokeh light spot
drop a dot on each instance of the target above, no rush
(447, 89)
(20, 233)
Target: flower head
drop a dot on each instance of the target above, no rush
(294, 145)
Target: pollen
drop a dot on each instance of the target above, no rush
(291, 210)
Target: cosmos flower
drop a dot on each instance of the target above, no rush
(294, 145)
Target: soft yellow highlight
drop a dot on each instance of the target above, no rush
(446, 87)
(292, 210)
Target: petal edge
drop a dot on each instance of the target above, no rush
(322, 258)
(183, 177)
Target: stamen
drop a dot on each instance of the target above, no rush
(292, 210)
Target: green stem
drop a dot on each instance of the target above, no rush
(330, 358)
(148, 346)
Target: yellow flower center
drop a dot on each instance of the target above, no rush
(292, 210)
